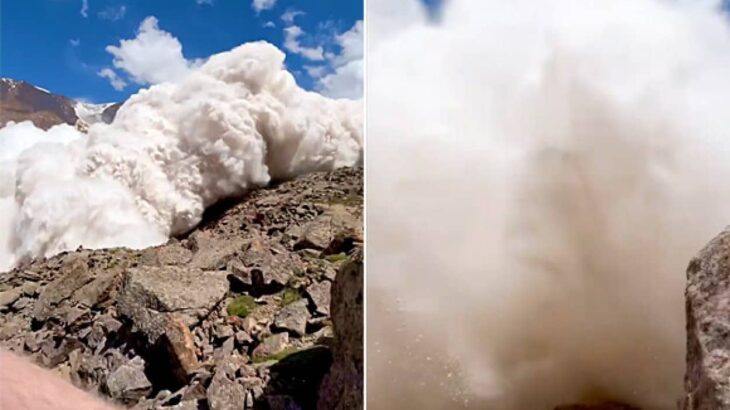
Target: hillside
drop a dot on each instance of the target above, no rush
(235, 313)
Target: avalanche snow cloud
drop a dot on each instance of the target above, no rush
(539, 177)
(235, 123)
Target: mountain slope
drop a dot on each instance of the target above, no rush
(235, 314)
(22, 101)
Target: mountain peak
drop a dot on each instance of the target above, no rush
(23, 101)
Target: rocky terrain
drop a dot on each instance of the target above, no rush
(22, 101)
(236, 314)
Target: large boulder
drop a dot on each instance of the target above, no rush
(707, 381)
(342, 388)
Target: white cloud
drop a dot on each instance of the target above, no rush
(111, 75)
(289, 16)
(154, 56)
(315, 71)
(74, 42)
(113, 13)
(85, 8)
(291, 43)
(269, 24)
(346, 81)
(351, 44)
(259, 5)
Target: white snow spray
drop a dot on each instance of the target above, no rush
(233, 124)
(539, 174)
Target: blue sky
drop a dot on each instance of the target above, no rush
(61, 45)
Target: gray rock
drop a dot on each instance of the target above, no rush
(319, 293)
(293, 317)
(267, 268)
(13, 327)
(97, 290)
(72, 314)
(225, 350)
(9, 297)
(243, 338)
(30, 288)
(174, 254)
(33, 341)
(74, 274)
(224, 394)
(128, 383)
(221, 331)
(240, 273)
(53, 355)
(22, 303)
(342, 387)
(272, 345)
(707, 381)
(150, 292)
(211, 253)
(319, 233)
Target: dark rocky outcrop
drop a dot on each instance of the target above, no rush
(159, 329)
(343, 386)
(707, 381)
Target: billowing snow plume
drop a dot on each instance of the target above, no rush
(235, 123)
(540, 173)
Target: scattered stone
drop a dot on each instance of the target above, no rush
(319, 294)
(266, 268)
(243, 338)
(96, 291)
(34, 341)
(211, 253)
(52, 354)
(221, 331)
(75, 274)
(271, 346)
(177, 342)
(9, 297)
(319, 233)
(30, 289)
(174, 254)
(224, 394)
(240, 274)
(293, 317)
(128, 383)
(22, 303)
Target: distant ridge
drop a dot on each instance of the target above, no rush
(23, 101)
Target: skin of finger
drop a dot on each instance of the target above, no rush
(25, 386)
